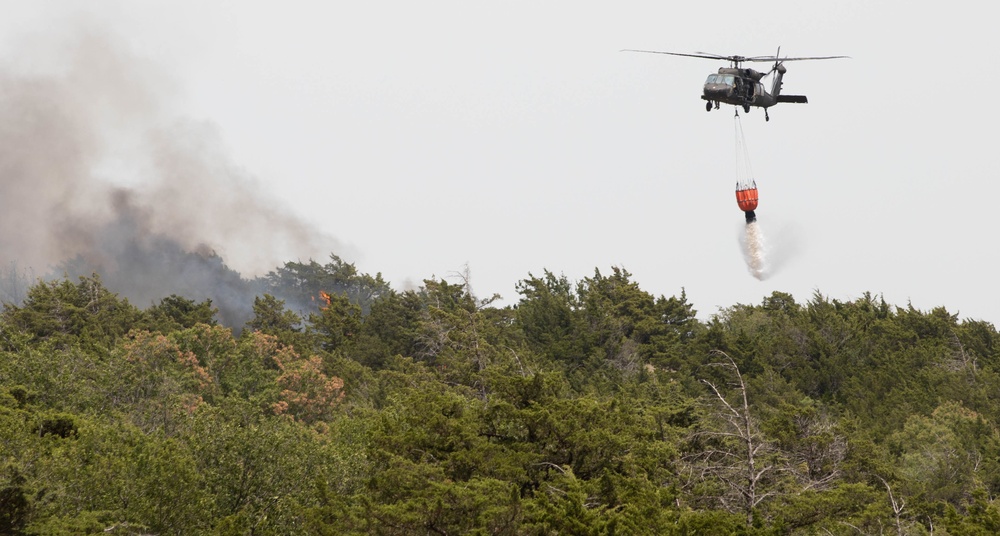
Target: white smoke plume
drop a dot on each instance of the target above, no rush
(754, 250)
(166, 226)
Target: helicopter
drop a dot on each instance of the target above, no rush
(742, 87)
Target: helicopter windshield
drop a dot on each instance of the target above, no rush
(726, 79)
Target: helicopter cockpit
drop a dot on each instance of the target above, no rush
(721, 79)
(722, 85)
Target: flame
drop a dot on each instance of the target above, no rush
(326, 298)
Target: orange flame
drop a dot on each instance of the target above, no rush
(326, 298)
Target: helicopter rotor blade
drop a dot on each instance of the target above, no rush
(736, 59)
(780, 60)
(695, 55)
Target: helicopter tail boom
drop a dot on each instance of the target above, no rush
(801, 99)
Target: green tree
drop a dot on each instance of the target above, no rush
(303, 282)
(66, 314)
(459, 334)
(258, 470)
(942, 457)
(390, 329)
(548, 315)
(176, 312)
(117, 479)
(337, 323)
(272, 318)
(608, 328)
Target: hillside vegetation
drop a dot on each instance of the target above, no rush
(588, 407)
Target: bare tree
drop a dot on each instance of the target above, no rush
(819, 453)
(897, 507)
(736, 453)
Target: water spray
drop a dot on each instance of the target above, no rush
(746, 199)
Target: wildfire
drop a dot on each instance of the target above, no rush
(326, 299)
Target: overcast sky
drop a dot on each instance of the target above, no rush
(514, 136)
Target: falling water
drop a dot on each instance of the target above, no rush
(754, 250)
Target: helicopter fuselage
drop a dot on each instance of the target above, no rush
(743, 87)
(739, 87)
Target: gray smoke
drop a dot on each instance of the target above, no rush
(177, 207)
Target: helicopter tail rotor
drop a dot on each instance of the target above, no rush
(778, 63)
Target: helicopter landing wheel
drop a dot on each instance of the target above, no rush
(766, 117)
(708, 106)
(746, 108)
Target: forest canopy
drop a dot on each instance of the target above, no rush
(340, 405)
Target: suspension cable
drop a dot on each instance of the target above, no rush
(744, 173)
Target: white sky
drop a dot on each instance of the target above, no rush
(514, 136)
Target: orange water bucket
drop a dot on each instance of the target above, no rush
(747, 199)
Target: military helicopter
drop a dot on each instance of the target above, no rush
(742, 87)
